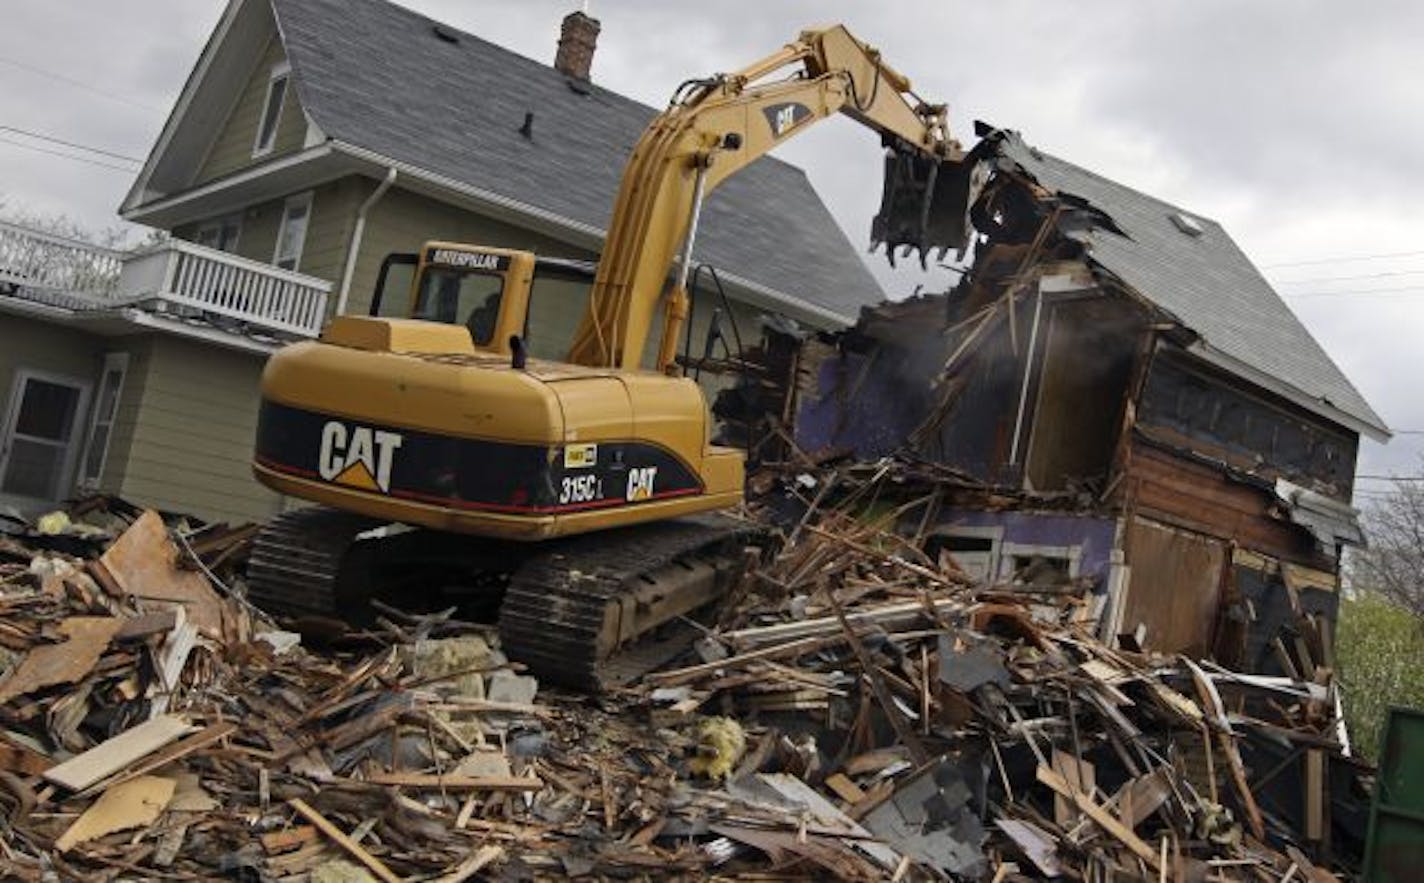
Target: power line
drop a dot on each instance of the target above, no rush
(1344, 259)
(1389, 477)
(84, 159)
(1354, 292)
(78, 84)
(99, 150)
(1349, 278)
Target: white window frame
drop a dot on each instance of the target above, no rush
(301, 199)
(1009, 551)
(217, 225)
(281, 70)
(12, 414)
(112, 362)
(993, 533)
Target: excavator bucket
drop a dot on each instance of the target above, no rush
(925, 205)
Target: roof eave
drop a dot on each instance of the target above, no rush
(1370, 428)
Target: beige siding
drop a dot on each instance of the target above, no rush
(53, 349)
(44, 346)
(328, 230)
(403, 220)
(232, 149)
(190, 446)
(126, 415)
(333, 215)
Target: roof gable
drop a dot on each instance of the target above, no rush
(1207, 282)
(376, 76)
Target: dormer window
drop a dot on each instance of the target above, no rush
(272, 109)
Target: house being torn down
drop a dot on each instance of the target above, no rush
(1122, 398)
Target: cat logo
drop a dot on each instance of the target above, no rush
(580, 456)
(640, 483)
(358, 457)
(784, 117)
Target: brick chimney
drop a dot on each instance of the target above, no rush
(577, 40)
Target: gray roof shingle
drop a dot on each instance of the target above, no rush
(1205, 281)
(375, 75)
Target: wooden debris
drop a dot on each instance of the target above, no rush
(340, 839)
(85, 639)
(132, 804)
(113, 755)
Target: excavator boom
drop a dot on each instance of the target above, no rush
(718, 126)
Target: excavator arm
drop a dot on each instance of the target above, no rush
(716, 127)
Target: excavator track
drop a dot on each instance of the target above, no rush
(295, 566)
(589, 612)
(597, 610)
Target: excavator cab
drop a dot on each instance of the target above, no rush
(485, 290)
(494, 293)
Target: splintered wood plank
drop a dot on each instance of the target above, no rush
(458, 783)
(86, 639)
(1100, 815)
(1080, 776)
(113, 755)
(143, 562)
(845, 789)
(375, 865)
(133, 804)
(165, 756)
(473, 865)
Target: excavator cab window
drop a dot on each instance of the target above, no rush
(461, 297)
(392, 295)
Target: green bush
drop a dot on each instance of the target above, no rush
(1380, 653)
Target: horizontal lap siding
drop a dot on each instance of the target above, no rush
(403, 221)
(232, 149)
(42, 346)
(193, 434)
(1193, 495)
(333, 214)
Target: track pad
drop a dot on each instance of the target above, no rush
(925, 204)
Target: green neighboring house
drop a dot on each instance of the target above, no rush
(312, 138)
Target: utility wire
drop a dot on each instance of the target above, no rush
(99, 150)
(78, 84)
(1348, 278)
(1345, 259)
(1354, 292)
(128, 170)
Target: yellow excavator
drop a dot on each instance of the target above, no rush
(434, 444)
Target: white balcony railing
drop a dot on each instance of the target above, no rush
(175, 275)
(182, 273)
(45, 260)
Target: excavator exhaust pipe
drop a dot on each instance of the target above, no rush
(925, 204)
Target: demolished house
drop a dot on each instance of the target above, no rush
(1127, 401)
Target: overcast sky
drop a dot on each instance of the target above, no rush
(1298, 125)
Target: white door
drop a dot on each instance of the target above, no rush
(39, 438)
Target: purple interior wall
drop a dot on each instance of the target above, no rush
(1094, 535)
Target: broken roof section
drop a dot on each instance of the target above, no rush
(1188, 266)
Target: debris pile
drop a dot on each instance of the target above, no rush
(857, 710)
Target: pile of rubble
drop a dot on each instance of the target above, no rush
(858, 710)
